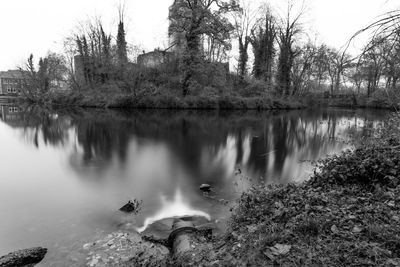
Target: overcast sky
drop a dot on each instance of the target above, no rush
(37, 26)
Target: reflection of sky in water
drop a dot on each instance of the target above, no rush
(65, 176)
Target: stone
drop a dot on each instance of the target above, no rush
(205, 187)
(128, 207)
(86, 246)
(24, 257)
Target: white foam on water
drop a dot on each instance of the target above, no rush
(175, 208)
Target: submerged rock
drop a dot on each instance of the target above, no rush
(24, 257)
(205, 187)
(131, 207)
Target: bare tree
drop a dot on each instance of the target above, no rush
(302, 70)
(321, 63)
(338, 63)
(95, 49)
(39, 82)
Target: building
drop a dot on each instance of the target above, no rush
(155, 59)
(11, 114)
(11, 82)
(176, 40)
(176, 36)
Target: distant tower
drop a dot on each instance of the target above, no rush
(176, 37)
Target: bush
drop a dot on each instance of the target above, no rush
(383, 99)
(253, 87)
(377, 162)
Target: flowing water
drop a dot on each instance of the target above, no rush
(65, 174)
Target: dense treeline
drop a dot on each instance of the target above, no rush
(276, 57)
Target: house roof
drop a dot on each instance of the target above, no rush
(12, 74)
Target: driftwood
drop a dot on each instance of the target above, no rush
(26, 257)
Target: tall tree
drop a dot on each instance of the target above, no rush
(194, 19)
(50, 72)
(94, 48)
(246, 20)
(302, 70)
(321, 64)
(263, 42)
(339, 62)
(290, 28)
(121, 39)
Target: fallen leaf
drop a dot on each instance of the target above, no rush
(357, 230)
(280, 249)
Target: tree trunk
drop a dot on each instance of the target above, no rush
(243, 56)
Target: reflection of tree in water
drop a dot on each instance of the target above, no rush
(40, 125)
(101, 138)
(268, 144)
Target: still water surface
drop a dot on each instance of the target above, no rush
(65, 174)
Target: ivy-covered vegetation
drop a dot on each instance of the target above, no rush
(286, 62)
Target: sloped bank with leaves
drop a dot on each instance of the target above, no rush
(347, 214)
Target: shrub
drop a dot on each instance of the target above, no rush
(383, 99)
(253, 87)
(377, 162)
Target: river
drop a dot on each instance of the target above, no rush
(65, 174)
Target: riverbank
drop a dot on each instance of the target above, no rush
(104, 99)
(117, 99)
(380, 100)
(347, 214)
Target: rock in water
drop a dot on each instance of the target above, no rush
(24, 257)
(205, 187)
(129, 207)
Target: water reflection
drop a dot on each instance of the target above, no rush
(85, 164)
(209, 145)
